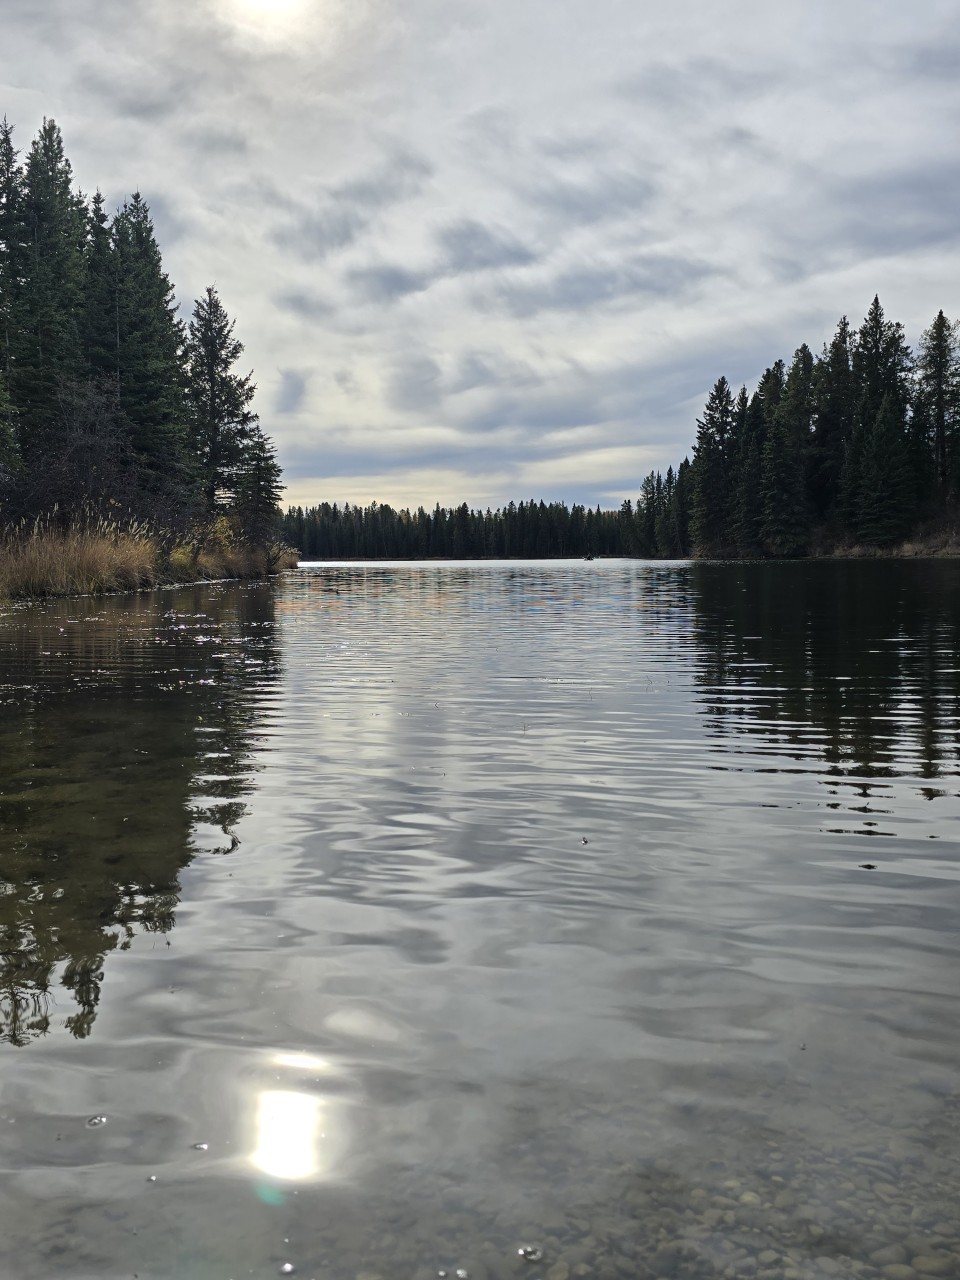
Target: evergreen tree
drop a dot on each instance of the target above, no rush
(149, 340)
(100, 315)
(748, 509)
(221, 418)
(883, 491)
(12, 249)
(662, 527)
(9, 448)
(834, 409)
(47, 348)
(709, 523)
(785, 522)
(258, 491)
(938, 393)
(647, 517)
(882, 365)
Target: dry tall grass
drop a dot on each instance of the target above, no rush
(40, 560)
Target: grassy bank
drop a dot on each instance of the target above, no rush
(40, 562)
(940, 540)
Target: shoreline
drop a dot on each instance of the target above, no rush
(47, 565)
(906, 551)
(250, 566)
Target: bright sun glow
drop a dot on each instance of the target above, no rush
(267, 18)
(289, 1135)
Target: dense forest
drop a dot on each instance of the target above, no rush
(859, 446)
(112, 409)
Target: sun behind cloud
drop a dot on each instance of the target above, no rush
(269, 19)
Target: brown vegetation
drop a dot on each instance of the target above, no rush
(42, 560)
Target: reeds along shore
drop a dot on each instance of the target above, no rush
(38, 562)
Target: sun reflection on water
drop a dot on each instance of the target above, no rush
(289, 1135)
(297, 1133)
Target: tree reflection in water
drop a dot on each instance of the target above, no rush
(851, 664)
(125, 750)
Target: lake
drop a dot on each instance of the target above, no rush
(386, 920)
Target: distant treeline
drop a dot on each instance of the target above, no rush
(525, 530)
(110, 406)
(859, 445)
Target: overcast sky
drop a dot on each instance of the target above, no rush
(502, 249)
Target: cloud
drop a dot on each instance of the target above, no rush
(507, 246)
(465, 248)
(415, 384)
(169, 223)
(477, 369)
(401, 177)
(584, 287)
(387, 282)
(215, 141)
(304, 305)
(340, 213)
(291, 392)
(312, 234)
(899, 210)
(151, 99)
(939, 61)
(688, 84)
(469, 246)
(597, 198)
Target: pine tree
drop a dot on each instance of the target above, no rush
(258, 491)
(149, 341)
(884, 491)
(938, 389)
(647, 517)
(709, 519)
(100, 314)
(785, 526)
(9, 448)
(663, 532)
(882, 365)
(47, 349)
(748, 512)
(834, 410)
(221, 418)
(12, 249)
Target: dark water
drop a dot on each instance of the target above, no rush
(612, 908)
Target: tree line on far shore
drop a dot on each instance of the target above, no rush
(110, 406)
(525, 530)
(857, 446)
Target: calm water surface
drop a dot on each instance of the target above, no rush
(384, 919)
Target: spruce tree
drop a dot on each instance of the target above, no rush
(938, 389)
(149, 341)
(47, 347)
(884, 491)
(709, 517)
(882, 365)
(785, 525)
(749, 513)
(221, 419)
(834, 411)
(662, 528)
(258, 492)
(100, 314)
(647, 517)
(12, 250)
(9, 448)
